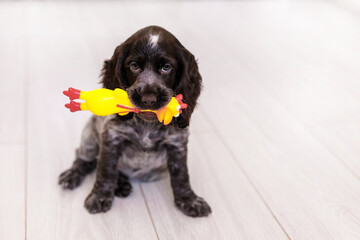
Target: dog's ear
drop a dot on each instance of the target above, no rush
(113, 72)
(189, 84)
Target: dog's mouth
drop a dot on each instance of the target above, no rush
(163, 98)
(148, 116)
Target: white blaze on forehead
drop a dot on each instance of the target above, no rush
(153, 39)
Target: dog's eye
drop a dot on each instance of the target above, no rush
(134, 67)
(166, 68)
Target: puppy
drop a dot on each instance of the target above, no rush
(152, 66)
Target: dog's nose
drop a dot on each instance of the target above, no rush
(148, 99)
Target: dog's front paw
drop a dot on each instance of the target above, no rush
(96, 203)
(70, 179)
(194, 206)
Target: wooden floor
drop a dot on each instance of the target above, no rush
(275, 141)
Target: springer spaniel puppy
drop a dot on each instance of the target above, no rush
(152, 66)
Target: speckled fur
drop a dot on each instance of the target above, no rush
(135, 146)
(144, 153)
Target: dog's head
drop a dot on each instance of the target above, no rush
(153, 66)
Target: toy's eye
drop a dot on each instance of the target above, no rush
(134, 67)
(166, 68)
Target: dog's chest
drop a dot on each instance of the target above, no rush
(144, 156)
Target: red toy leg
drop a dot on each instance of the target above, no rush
(179, 98)
(73, 106)
(72, 93)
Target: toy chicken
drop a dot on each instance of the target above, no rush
(103, 102)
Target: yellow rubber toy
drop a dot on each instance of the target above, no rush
(103, 102)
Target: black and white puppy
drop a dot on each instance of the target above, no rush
(152, 66)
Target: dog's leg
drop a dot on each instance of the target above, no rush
(124, 187)
(72, 177)
(185, 199)
(85, 161)
(101, 197)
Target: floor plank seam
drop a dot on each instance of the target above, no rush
(148, 209)
(26, 112)
(227, 147)
(310, 131)
(284, 106)
(316, 137)
(332, 153)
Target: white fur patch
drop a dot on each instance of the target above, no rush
(153, 40)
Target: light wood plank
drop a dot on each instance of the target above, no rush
(12, 65)
(12, 187)
(343, 140)
(12, 137)
(315, 79)
(331, 106)
(59, 58)
(309, 191)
